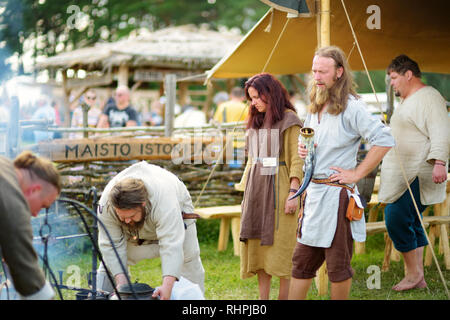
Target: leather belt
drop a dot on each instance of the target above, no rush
(190, 215)
(331, 183)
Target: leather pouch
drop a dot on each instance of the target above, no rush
(354, 213)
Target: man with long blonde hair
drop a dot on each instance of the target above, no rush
(339, 120)
(337, 94)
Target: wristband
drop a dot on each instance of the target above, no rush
(293, 190)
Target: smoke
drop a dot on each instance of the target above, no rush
(69, 249)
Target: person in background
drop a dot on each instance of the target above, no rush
(420, 126)
(94, 112)
(28, 184)
(59, 119)
(190, 116)
(272, 174)
(120, 113)
(153, 114)
(219, 97)
(234, 109)
(46, 112)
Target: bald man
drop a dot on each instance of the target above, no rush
(119, 113)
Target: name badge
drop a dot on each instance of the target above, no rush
(269, 162)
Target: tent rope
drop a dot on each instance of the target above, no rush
(234, 127)
(276, 45)
(396, 154)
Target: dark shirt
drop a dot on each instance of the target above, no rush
(119, 118)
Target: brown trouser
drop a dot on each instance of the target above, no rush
(307, 260)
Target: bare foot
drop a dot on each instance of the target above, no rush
(422, 284)
(410, 282)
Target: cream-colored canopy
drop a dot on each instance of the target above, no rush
(384, 29)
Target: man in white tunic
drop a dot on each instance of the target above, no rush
(339, 120)
(143, 209)
(420, 125)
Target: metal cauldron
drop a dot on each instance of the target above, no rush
(142, 292)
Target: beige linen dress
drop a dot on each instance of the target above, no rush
(276, 259)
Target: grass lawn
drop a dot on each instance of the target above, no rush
(222, 280)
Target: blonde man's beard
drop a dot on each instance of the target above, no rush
(322, 95)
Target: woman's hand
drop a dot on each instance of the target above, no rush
(290, 206)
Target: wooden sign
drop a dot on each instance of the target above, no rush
(179, 150)
(91, 81)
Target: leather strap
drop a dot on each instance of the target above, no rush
(190, 215)
(332, 183)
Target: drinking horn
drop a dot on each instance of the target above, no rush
(307, 138)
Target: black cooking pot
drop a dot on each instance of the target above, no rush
(142, 292)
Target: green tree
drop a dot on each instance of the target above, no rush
(47, 27)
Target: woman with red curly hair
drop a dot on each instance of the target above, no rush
(273, 173)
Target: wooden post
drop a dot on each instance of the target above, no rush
(360, 247)
(445, 245)
(322, 281)
(183, 96)
(224, 234)
(85, 108)
(170, 86)
(122, 76)
(317, 10)
(66, 97)
(209, 98)
(325, 23)
(428, 253)
(324, 41)
(387, 252)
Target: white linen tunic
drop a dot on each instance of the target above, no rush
(421, 127)
(168, 197)
(337, 138)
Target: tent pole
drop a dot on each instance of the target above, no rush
(317, 12)
(324, 40)
(325, 23)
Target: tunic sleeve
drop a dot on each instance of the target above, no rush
(115, 231)
(436, 123)
(368, 126)
(293, 161)
(16, 238)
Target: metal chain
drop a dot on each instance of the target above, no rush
(45, 237)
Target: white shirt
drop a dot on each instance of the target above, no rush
(337, 138)
(168, 197)
(191, 117)
(421, 127)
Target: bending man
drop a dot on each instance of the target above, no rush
(142, 209)
(27, 185)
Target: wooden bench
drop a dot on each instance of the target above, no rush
(437, 225)
(229, 216)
